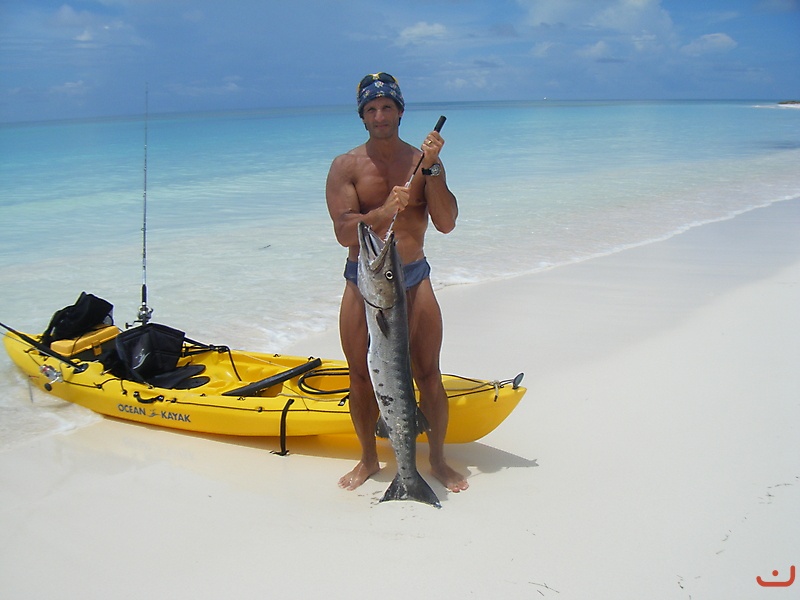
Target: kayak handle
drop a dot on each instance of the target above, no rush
(141, 400)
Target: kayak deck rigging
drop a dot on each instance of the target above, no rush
(234, 392)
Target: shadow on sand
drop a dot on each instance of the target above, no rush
(482, 457)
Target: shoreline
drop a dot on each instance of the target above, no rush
(617, 249)
(655, 453)
(480, 295)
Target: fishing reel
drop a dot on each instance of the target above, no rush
(142, 317)
(52, 375)
(145, 312)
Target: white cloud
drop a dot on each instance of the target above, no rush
(628, 16)
(194, 16)
(779, 5)
(474, 80)
(89, 29)
(711, 43)
(66, 16)
(70, 88)
(723, 16)
(634, 16)
(422, 33)
(643, 26)
(542, 49)
(86, 36)
(228, 85)
(596, 51)
(646, 42)
(556, 12)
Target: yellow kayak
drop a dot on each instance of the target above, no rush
(232, 392)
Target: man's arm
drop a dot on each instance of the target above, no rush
(344, 206)
(442, 204)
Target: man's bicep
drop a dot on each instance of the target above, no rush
(340, 191)
(342, 200)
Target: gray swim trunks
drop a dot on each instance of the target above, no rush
(414, 272)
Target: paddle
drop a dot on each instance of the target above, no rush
(78, 367)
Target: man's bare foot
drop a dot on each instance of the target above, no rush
(358, 475)
(450, 478)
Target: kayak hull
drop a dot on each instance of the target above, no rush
(315, 403)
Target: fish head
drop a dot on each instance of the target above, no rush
(380, 272)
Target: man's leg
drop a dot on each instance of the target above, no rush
(363, 408)
(425, 319)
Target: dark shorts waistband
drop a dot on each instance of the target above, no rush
(414, 272)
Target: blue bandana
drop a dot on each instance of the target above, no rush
(379, 89)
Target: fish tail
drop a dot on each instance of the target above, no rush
(414, 488)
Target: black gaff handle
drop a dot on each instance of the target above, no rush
(437, 128)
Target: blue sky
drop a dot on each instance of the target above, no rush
(92, 58)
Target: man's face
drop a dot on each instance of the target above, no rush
(382, 117)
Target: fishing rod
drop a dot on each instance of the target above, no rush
(44, 349)
(145, 311)
(437, 128)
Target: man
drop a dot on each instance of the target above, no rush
(368, 184)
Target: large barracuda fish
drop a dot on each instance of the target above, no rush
(381, 282)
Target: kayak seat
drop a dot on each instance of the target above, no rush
(149, 354)
(252, 389)
(181, 378)
(87, 314)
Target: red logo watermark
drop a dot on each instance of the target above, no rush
(778, 583)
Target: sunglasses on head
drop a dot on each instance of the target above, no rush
(384, 77)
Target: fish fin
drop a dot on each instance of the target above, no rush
(381, 430)
(422, 422)
(415, 488)
(383, 323)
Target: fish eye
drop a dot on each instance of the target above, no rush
(389, 275)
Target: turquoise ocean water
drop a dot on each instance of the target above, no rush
(240, 248)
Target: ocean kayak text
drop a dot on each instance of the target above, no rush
(169, 416)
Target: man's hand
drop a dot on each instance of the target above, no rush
(430, 149)
(397, 200)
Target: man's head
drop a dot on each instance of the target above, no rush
(378, 85)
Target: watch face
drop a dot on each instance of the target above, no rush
(436, 169)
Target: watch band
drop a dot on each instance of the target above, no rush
(434, 171)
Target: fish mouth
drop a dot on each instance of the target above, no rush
(373, 248)
(377, 279)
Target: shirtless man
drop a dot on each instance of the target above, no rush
(369, 184)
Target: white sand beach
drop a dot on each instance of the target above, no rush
(655, 455)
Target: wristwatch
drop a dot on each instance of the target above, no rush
(435, 170)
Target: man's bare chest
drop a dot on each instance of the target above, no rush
(375, 182)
